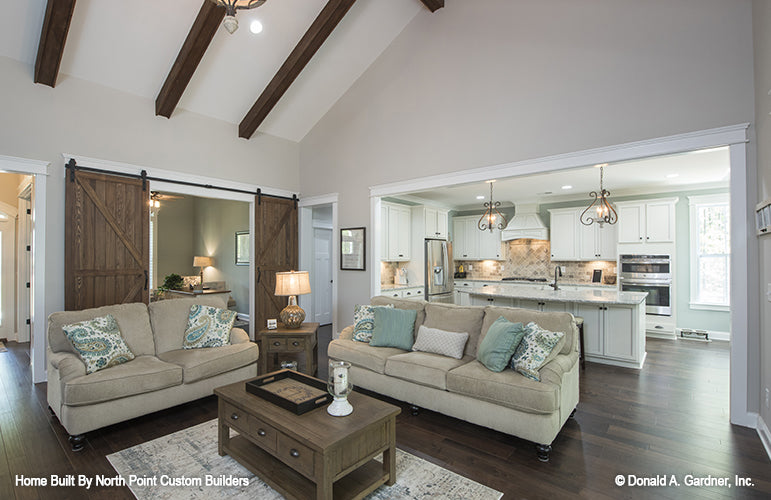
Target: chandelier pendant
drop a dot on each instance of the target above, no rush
(488, 220)
(231, 6)
(599, 210)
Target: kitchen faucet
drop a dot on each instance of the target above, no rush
(557, 273)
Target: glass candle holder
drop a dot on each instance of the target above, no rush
(339, 386)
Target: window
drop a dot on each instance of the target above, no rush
(710, 252)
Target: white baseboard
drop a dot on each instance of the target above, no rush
(765, 435)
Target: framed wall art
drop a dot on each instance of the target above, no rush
(353, 249)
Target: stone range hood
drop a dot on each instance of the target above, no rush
(526, 224)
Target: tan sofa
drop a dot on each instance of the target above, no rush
(162, 374)
(464, 388)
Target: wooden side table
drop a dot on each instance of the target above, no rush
(293, 341)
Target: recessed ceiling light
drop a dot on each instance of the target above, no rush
(672, 176)
(480, 197)
(255, 27)
(568, 186)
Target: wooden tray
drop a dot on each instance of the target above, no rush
(290, 390)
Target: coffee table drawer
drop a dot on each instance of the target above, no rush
(295, 454)
(295, 344)
(236, 417)
(275, 344)
(262, 433)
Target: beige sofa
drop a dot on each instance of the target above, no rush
(464, 388)
(162, 374)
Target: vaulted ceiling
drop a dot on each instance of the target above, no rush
(280, 82)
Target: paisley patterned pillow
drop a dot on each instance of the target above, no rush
(534, 349)
(98, 342)
(364, 322)
(208, 327)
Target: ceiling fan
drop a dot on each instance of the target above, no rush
(156, 197)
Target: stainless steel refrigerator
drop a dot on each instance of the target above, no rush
(438, 272)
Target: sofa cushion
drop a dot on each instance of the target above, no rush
(133, 322)
(98, 342)
(207, 362)
(537, 348)
(441, 342)
(416, 305)
(364, 322)
(500, 343)
(423, 368)
(361, 354)
(138, 376)
(554, 321)
(393, 328)
(457, 319)
(208, 327)
(169, 319)
(507, 388)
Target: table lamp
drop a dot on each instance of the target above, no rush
(201, 261)
(291, 284)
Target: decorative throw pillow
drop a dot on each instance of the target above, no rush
(534, 350)
(208, 327)
(98, 342)
(393, 328)
(440, 342)
(500, 343)
(364, 322)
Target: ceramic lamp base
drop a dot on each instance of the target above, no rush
(292, 315)
(340, 407)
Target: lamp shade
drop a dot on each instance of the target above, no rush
(292, 283)
(199, 261)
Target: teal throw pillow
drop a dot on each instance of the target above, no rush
(393, 328)
(534, 350)
(500, 343)
(208, 327)
(98, 342)
(364, 322)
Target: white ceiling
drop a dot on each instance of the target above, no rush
(695, 170)
(131, 45)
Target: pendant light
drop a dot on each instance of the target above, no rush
(490, 219)
(231, 6)
(599, 210)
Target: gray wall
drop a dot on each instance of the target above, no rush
(493, 81)
(761, 13)
(175, 238)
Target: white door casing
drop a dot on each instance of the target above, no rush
(322, 272)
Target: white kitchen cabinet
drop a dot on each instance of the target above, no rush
(396, 223)
(412, 293)
(573, 241)
(598, 242)
(480, 300)
(647, 221)
(469, 243)
(434, 222)
(544, 305)
(610, 331)
(563, 234)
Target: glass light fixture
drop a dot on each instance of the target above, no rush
(231, 6)
(291, 284)
(599, 210)
(492, 218)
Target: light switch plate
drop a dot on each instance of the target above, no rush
(768, 292)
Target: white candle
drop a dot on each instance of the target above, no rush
(341, 380)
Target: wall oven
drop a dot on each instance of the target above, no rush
(651, 274)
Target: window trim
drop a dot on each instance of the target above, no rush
(694, 202)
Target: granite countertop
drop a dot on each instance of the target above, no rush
(394, 286)
(547, 294)
(541, 283)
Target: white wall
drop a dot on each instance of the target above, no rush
(494, 81)
(82, 118)
(761, 13)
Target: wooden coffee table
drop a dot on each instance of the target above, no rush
(314, 455)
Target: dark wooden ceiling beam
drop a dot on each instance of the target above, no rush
(198, 39)
(433, 5)
(56, 24)
(329, 17)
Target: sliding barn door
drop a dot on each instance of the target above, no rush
(106, 240)
(275, 249)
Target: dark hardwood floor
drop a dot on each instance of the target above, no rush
(670, 418)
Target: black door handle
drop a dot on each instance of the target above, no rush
(146, 278)
(259, 274)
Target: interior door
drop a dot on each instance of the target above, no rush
(322, 279)
(106, 237)
(275, 249)
(7, 301)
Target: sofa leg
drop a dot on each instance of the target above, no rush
(543, 450)
(573, 413)
(415, 410)
(78, 442)
(51, 411)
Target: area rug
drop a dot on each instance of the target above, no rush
(190, 456)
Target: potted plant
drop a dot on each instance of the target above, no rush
(171, 282)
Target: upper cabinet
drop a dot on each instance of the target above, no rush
(572, 241)
(469, 243)
(396, 224)
(647, 221)
(434, 222)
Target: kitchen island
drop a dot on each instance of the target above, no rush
(614, 322)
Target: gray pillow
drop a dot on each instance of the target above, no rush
(500, 343)
(440, 342)
(393, 328)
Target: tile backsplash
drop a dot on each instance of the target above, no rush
(532, 259)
